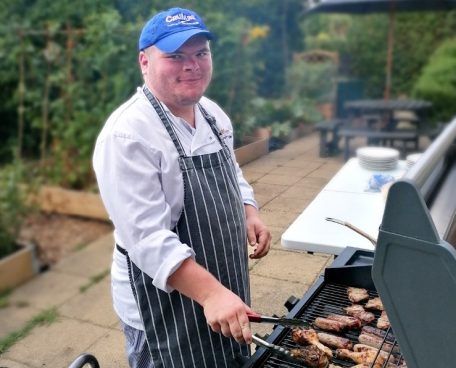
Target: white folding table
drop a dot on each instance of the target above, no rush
(344, 198)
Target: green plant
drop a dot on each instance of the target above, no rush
(46, 317)
(437, 82)
(13, 208)
(282, 114)
(314, 81)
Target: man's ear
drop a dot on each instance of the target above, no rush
(143, 61)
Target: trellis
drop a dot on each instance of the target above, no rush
(48, 35)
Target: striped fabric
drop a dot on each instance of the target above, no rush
(213, 224)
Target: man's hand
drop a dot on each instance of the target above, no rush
(258, 235)
(225, 311)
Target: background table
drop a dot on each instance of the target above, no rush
(345, 198)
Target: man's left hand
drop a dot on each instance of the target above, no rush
(258, 234)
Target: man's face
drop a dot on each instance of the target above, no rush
(180, 78)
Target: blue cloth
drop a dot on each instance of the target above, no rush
(377, 181)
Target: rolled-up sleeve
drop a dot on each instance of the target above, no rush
(130, 182)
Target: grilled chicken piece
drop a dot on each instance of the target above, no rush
(349, 322)
(329, 324)
(356, 295)
(334, 341)
(377, 342)
(360, 357)
(374, 303)
(311, 356)
(386, 356)
(359, 312)
(383, 321)
(309, 336)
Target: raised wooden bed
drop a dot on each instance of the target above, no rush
(78, 203)
(18, 267)
(252, 149)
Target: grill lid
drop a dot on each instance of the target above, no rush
(414, 273)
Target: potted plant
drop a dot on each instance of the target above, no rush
(17, 261)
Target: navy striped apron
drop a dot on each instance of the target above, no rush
(213, 224)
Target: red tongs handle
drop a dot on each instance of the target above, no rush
(254, 317)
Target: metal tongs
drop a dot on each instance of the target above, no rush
(254, 317)
(354, 228)
(277, 350)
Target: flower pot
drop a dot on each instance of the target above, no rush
(18, 267)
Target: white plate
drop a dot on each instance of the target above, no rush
(378, 153)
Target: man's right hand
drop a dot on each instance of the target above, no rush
(225, 312)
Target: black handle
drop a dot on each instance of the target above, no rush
(84, 359)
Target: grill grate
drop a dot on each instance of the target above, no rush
(331, 298)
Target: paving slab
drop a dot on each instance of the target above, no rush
(55, 345)
(291, 266)
(284, 181)
(48, 289)
(94, 305)
(90, 260)
(109, 350)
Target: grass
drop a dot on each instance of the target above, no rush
(4, 298)
(94, 280)
(46, 317)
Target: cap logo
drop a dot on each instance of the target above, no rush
(181, 18)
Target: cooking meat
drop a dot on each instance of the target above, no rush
(377, 332)
(328, 324)
(383, 321)
(359, 312)
(348, 321)
(356, 295)
(359, 357)
(309, 336)
(334, 341)
(386, 356)
(311, 356)
(377, 342)
(374, 303)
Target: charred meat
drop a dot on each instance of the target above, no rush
(377, 342)
(348, 321)
(360, 357)
(383, 321)
(334, 341)
(374, 303)
(359, 312)
(356, 295)
(329, 324)
(311, 356)
(386, 356)
(309, 336)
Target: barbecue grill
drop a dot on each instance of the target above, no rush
(413, 270)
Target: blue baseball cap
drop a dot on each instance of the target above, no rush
(170, 29)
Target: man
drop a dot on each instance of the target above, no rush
(181, 209)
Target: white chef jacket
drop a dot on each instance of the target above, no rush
(141, 185)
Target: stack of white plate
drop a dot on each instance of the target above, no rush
(378, 158)
(411, 159)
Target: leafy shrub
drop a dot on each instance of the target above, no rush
(437, 82)
(12, 207)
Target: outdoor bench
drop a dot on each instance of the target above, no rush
(384, 137)
(326, 127)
